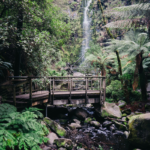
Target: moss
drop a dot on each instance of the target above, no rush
(87, 120)
(56, 127)
(124, 115)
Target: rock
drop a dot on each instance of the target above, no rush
(79, 113)
(55, 127)
(87, 120)
(61, 148)
(74, 126)
(52, 136)
(95, 123)
(139, 127)
(119, 133)
(120, 126)
(67, 143)
(121, 103)
(126, 134)
(107, 123)
(81, 149)
(127, 111)
(110, 110)
(76, 121)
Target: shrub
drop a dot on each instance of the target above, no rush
(21, 130)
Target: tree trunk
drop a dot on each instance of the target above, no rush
(139, 69)
(18, 48)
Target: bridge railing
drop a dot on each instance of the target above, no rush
(19, 85)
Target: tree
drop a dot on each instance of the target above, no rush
(135, 45)
(111, 36)
(98, 58)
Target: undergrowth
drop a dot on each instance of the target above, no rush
(21, 130)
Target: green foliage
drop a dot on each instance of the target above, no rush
(114, 90)
(21, 129)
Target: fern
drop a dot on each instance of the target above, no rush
(21, 129)
(35, 110)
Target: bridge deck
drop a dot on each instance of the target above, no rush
(75, 92)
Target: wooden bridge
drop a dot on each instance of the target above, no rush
(23, 91)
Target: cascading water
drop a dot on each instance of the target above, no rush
(86, 29)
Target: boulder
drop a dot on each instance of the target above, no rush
(80, 113)
(55, 127)
(121, 103)
(52, 136)
(110, 110)
(66, 143)
(74, 126)
(95, 123)
(139, 127)
(87, 120)
(126, 134)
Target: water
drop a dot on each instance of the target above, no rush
(86, 29)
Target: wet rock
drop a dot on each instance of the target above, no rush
(87, 120)
(110, 110)
(102, 134)
(55, 127)
(95, 123)
(120, 126)
(79, 113)
(139, 127)
(52, 136)
(74, 126)
(107, 123)
(127, 111)
(121, 103)
(62, 142)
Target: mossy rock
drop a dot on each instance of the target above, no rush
(60, 131)
(139, 127)
(110, 110)
(87, 120)
(124, 115)
(66, 143)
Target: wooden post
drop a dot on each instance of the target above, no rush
(14, 95)
(86, 99)
(70, 90)
(50, 92)
(53, 91)
(30, 91)
(100, 91)
(104, 90)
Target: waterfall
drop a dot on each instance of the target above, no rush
(86, 29)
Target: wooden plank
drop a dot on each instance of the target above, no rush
(75, 101)
(39, 102)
